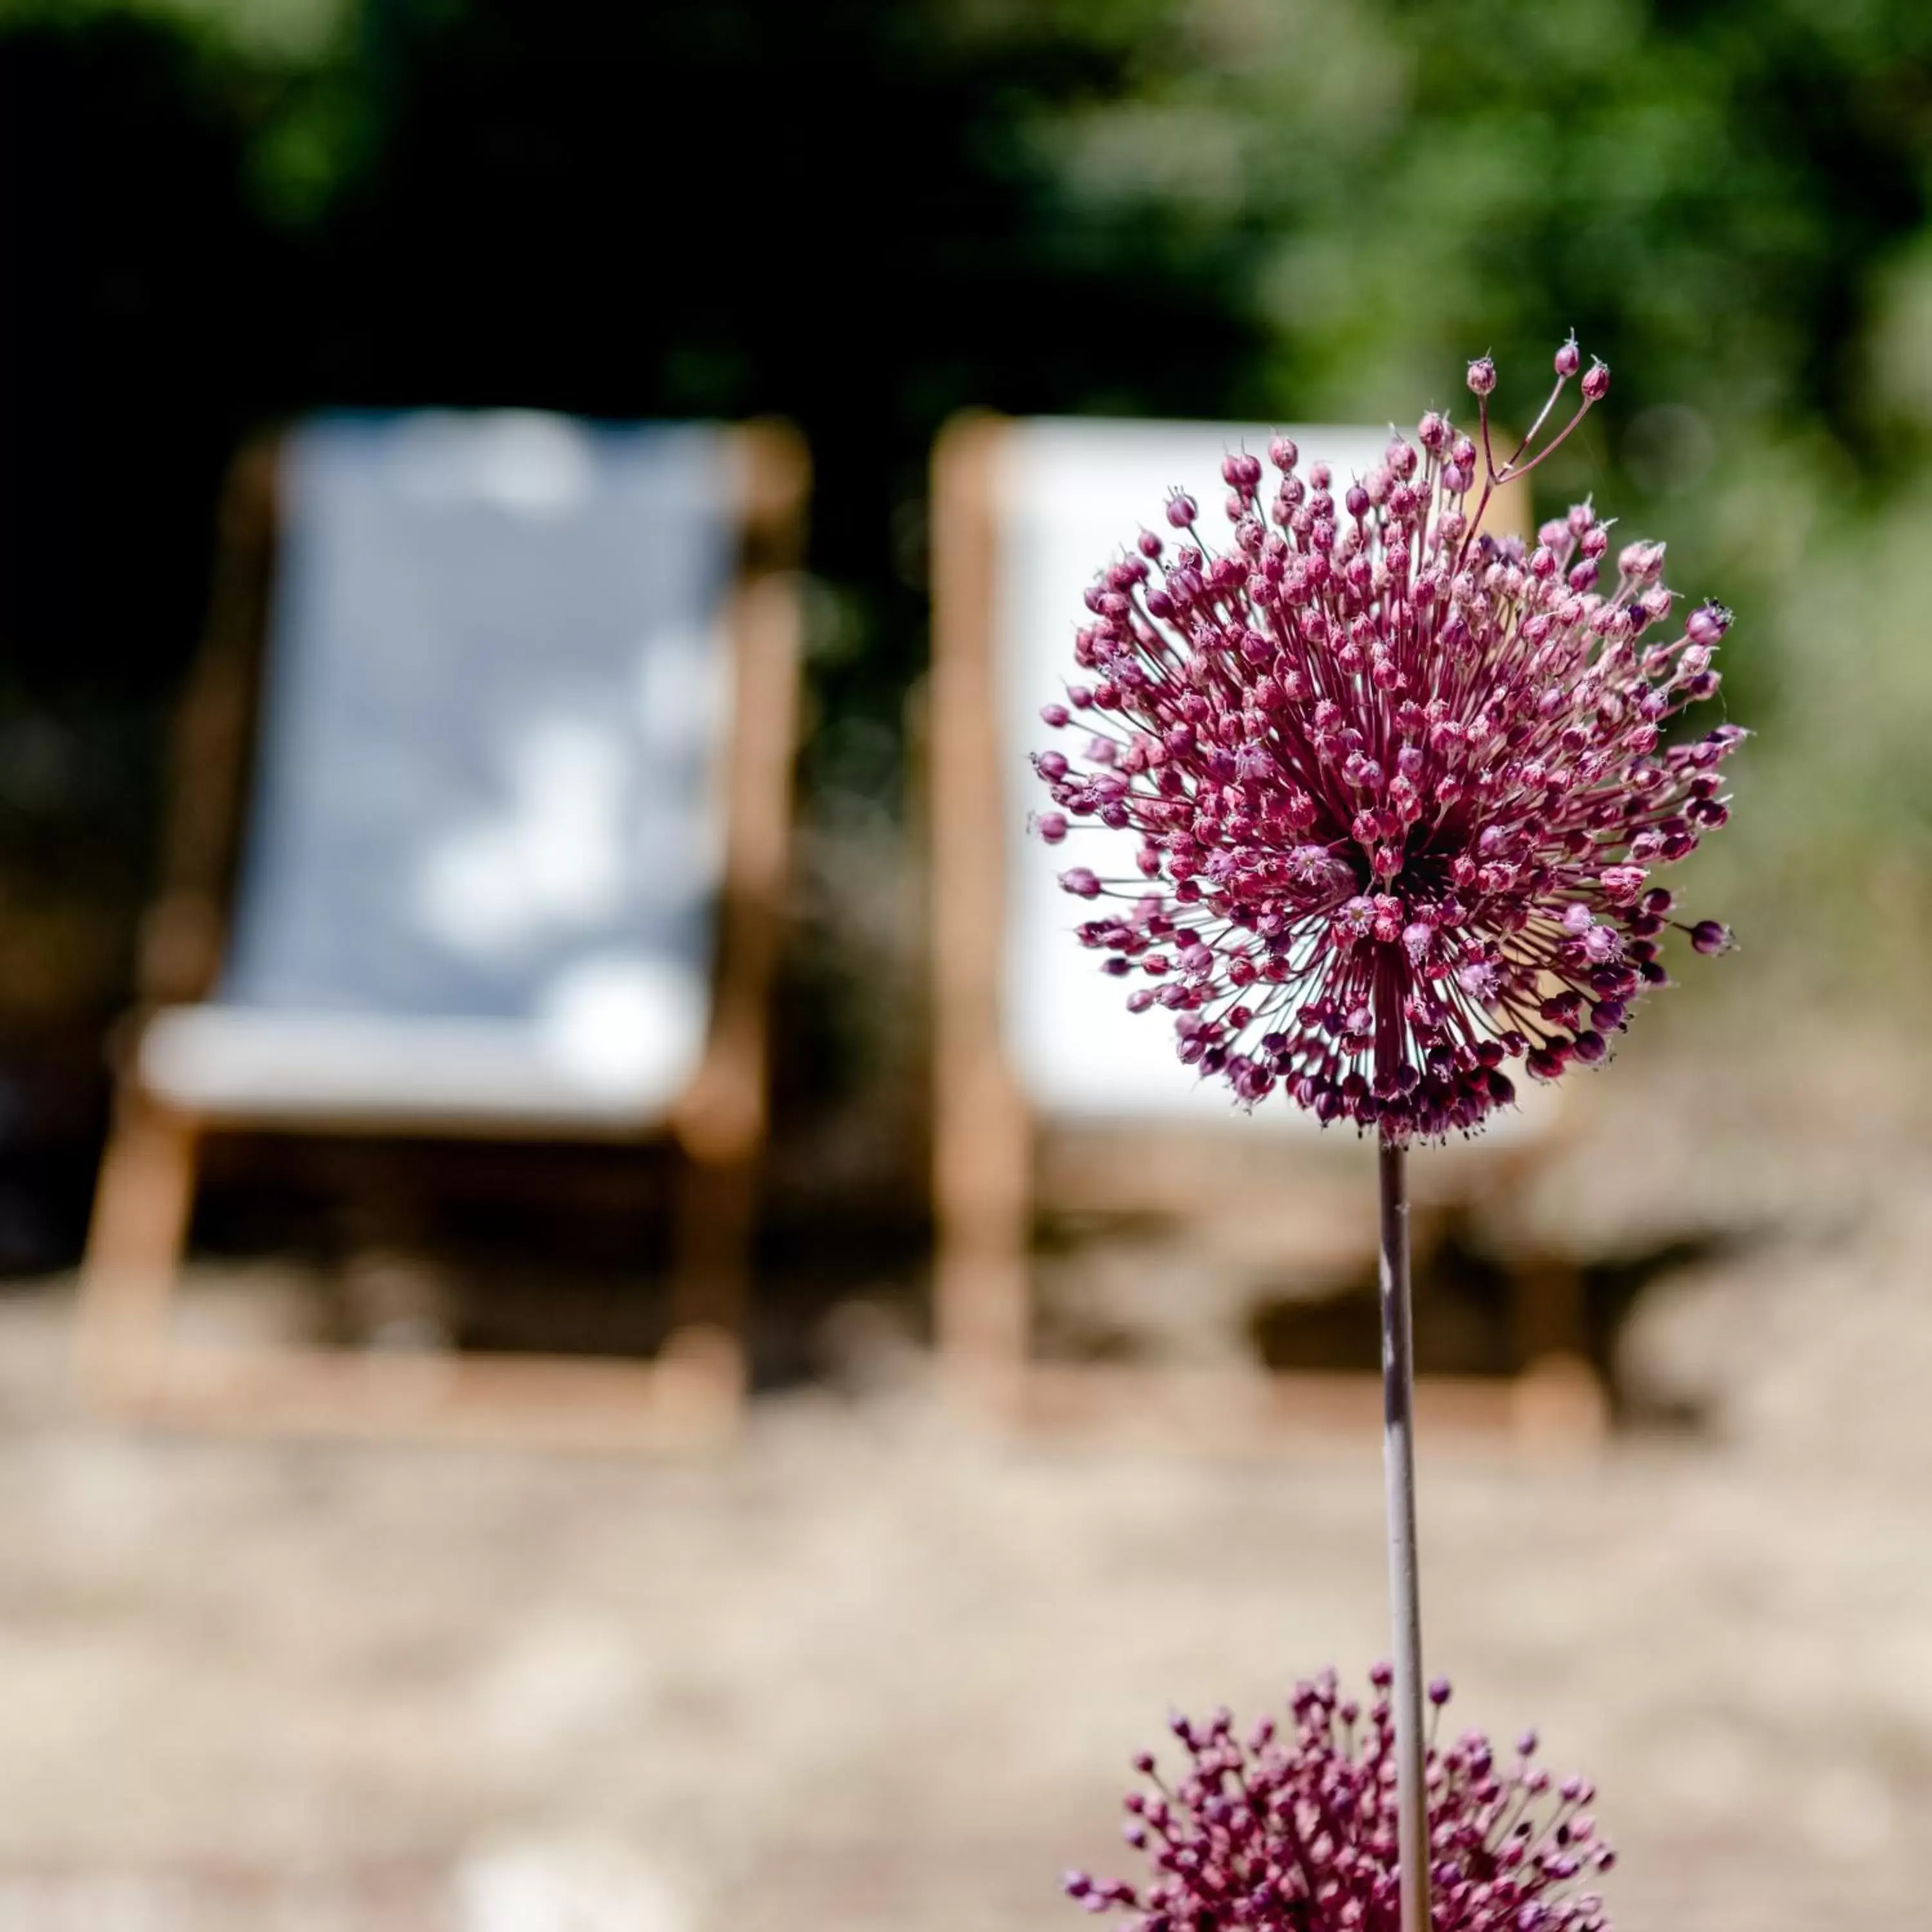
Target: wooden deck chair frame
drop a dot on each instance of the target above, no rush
(995, 1164)
(692, 1390)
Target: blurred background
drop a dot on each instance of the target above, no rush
(877, 1665)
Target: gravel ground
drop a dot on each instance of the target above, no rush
(880, 1668)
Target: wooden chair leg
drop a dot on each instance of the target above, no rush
(983, 1299)
(983, 1288)
(710, 1279)
(1558, 1394)
(142, 1201)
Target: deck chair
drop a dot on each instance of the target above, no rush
(519, 694)
(1050, 1097)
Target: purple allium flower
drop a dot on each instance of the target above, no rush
(1399, 787)
(1294, 1830)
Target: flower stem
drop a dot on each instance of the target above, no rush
(1405, 1595)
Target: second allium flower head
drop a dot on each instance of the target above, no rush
(1400, 783)
(1293, 1829)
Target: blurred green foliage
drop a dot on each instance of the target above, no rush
(868, 214)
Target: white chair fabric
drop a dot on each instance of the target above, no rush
(488, 828)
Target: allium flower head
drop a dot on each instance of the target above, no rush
(1399, 784)
(1294, 1829)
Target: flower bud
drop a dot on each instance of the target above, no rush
(1568, 359)
(1707, 624)
(1181, 510)
(1596, 382)
(1482, 376)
